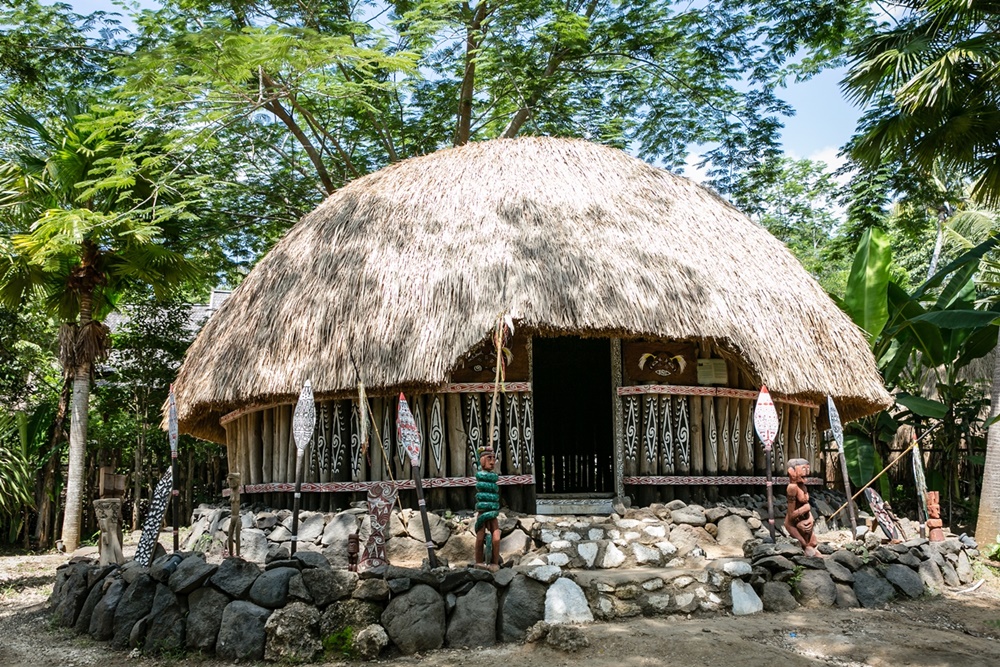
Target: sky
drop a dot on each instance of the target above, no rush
(823, 120)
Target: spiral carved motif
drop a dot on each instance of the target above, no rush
(631, 427)
(529, 444)
(356, 455)
(651, 430)
(436, 437)
(475, 430)
(667, 441)
(336, 439)
(514, 431)
(683, 432)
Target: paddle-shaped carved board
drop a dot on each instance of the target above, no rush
(381, 497)
(154, 517)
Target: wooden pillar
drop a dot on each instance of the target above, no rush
(256, 460)
(650, 451)
(515, 453)
(722, 419)
(618, 452)
(710, 441)
(437, 455)
(376, 462)
(457, 450)
(283, 431)
(528, 448)
(697, 444)
(781, 450)
(744, 459)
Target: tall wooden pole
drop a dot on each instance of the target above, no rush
(303, 425)
(765, 420)
(174, 491)
(838, 436)
(409, 435)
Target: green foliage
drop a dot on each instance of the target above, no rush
(866, 300)
(339, 644)
(17, 479)
(992, 551)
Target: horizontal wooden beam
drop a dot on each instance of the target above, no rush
(715, 480)
(355, 487)
(721, 392)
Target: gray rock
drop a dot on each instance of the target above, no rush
(371, 589)
(905, 579)
(275, 563)
(439, 529)
(328, 586)
(311, 529)
(164, 566)
(340, 528)
(613, 556)
(566, 603)
(839, 572)
(415, 621)
(872, 590)
(775, 563)
(369, 642)
(191, 574)
(846, 599)
(405, 550)
(241, 632)
(102, 619)
(463, 579)
(293, 633)
(266, 520)
(131, 571)
(135, 604)
(297, 591)
(72, 595)
(473, 623)
(676, 505)
(713, 514)
(811, 562)
(848, 559)
(87, 610)
(348, 614)
(280, 534)
(312, 559)
(963, 568)
(523, 606)
(931, 578)
(138, 634)
(504, 576)
(235, 576)
(948, 572)
(733, 533)
(745, 600)
(516, 543)
(546, 573)
(691, 515)
(205, 607)
(271, 588)
(778, 597)
(166, 626)
(253, 545)
(566, 638)
(816, 589)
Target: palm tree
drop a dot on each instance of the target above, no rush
(931, 82)
(86, 211)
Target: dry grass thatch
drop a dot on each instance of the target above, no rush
(410, 267)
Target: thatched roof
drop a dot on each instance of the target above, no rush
(410, 267)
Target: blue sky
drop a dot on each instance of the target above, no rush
(822, 123)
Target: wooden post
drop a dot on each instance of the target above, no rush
(514, 460)
(457, 448)
(722, 419)
(253, 432)
(743, 464)
(375, 460)
(650, 452)
(710, 443)
(781, 449)
(697, 442)
(437, 446)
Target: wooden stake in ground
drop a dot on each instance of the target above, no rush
(409, 435)
(838, 436)
(765, 420)
(303, 425)
(174, 491)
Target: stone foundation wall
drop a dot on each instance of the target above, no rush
(667, 559)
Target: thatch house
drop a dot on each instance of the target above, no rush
(647, 313)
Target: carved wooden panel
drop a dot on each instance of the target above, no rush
(660, 363)
(479, 365)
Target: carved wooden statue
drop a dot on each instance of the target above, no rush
(381, 497)
(488, 507)
(109, 518)
(798, 520)
(935, 526)
(235, 521)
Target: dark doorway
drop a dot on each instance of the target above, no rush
(574, 436)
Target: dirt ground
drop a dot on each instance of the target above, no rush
(959, 629)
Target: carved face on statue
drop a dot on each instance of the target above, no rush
(798, 470)
(487, 461)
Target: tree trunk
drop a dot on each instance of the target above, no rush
(988, 525)
(77, 441)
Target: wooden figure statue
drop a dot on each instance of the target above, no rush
(235, 522)
(488, 507)
(934, 524)
(109, 518)
(799, 521)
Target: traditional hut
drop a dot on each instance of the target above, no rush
(647, 313)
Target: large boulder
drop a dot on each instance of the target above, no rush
(523, 606)
(905, 579)
(931, 577)
(235, 576)
(745, 600)
(439, 529)
(369, 642)
(815, 588)
(135, 604)
(102, 619)
(339, 529)
(205, 607)
(253, 545)
(405, 551)
(474, 620)
(348, 614)
(166, 625)
(328, 585)
(733, 532)
(293, 634)
(778, 597)
(415, 621)
(93, 598)
(311, 529)
(241, 632)
(191, 574)
(566, 603)
(271, 588)
(871, 589)
(72, 595)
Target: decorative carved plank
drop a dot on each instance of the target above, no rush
(436, 436)
(475, 430)
(357, 457)
(651, 432)
(322, 458)
(514, 431)
(734, 449)
(727, 463)
(387, 412)
(337, 438)
(799, 453)
(667, 437)
(749, 435)
(631, 428)
(712, 455)
(683, 435)
(528, 436)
